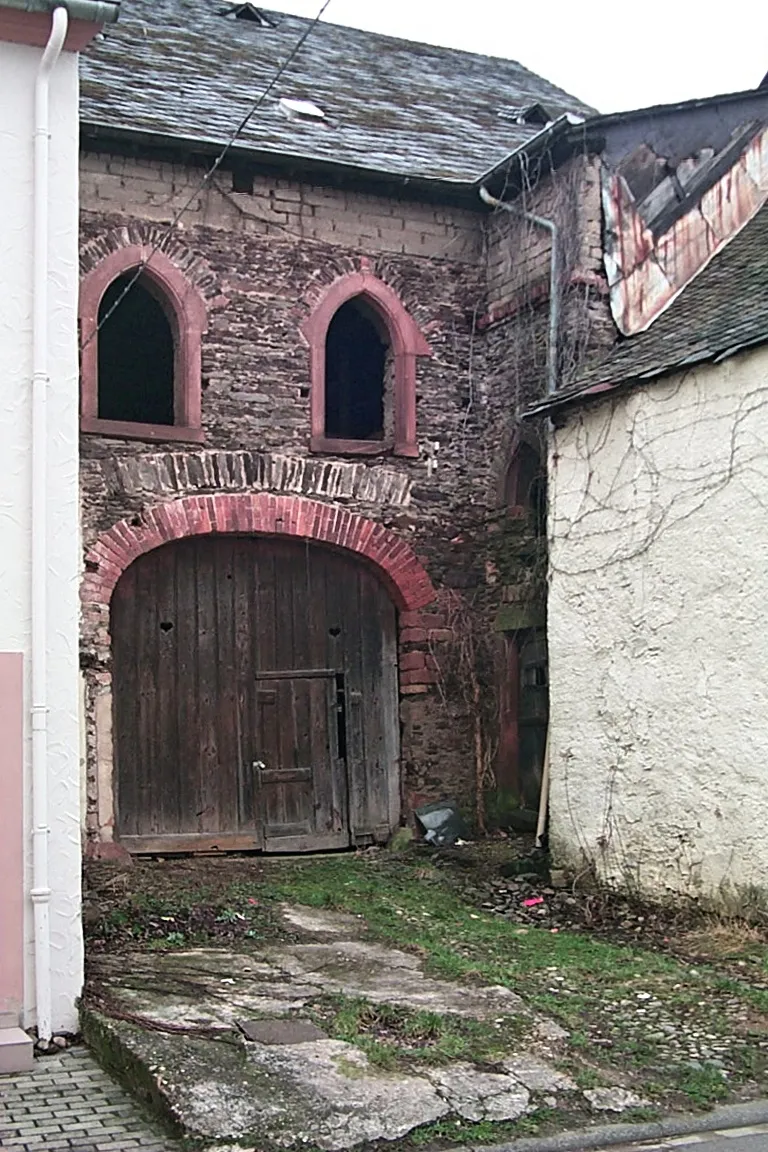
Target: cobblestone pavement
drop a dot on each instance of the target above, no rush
(69, 1104)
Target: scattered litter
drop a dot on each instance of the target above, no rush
(532, 901)
(442, 823)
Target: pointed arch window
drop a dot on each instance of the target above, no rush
(363, 351)
(141, 349)
(525, 487)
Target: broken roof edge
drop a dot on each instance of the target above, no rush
(606, 119)
(537, 145)
(96, 134)
(596, 391)
(566, 136)
(90, 11)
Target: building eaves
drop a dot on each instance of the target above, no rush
(93, 11)
(566, 136)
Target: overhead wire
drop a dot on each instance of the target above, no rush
(210, 173)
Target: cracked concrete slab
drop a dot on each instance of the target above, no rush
(475, 1095)
(537, 1075)
(321, 921)
(175, 1016)
(345, 1100)
(613, 1099)
(386, 975)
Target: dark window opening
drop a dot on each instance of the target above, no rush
(242, 180)
(355, 375)
(526, 486)
(136, 356)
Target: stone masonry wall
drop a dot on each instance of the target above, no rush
(519, 250)
(261, 262)
(513, 336)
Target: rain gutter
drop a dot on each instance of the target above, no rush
(93, 11)
(41, 195)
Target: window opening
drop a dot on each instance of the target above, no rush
(136, 356)
(242, 180)
(526, 487)
(357, 399)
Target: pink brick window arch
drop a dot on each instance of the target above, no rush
(186, 312)
(406, 341)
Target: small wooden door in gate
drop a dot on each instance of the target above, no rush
(255, 699)
(301, 780)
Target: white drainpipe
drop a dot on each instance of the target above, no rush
(41, 893)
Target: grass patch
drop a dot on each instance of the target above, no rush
(669, 1027)
(398, 1038)
(459, 1132)
(627, 1008)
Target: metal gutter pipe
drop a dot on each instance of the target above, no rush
(94, 11)
(554, 279)
(41, 893)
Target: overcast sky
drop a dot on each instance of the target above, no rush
(612, 55)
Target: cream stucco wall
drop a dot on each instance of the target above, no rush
(658, 650)
(18, 66)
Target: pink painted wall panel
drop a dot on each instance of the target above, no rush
(11, 832)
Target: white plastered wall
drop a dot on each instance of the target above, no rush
(657, 637)
(18, 68)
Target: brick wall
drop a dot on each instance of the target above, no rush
(519, 250)
(154, 190)
(260, 262)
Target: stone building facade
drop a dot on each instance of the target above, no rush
(259, 283)
(252, 269)
(253, 265)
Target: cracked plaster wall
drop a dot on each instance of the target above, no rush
(659, 673)
(18, 66)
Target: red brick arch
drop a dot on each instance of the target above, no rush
(259, 513)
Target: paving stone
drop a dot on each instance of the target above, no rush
(68, 1104)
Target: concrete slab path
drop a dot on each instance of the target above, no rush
(222, 1040)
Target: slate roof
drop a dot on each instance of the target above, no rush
(722, 310)
(182, 70)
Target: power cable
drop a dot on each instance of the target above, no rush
(212, 170)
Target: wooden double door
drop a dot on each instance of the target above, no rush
(255, 699)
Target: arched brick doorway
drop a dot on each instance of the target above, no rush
(208, 749)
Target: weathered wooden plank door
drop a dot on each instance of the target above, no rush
(302, 780)
(255, 699)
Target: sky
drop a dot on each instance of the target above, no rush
(611, 55)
